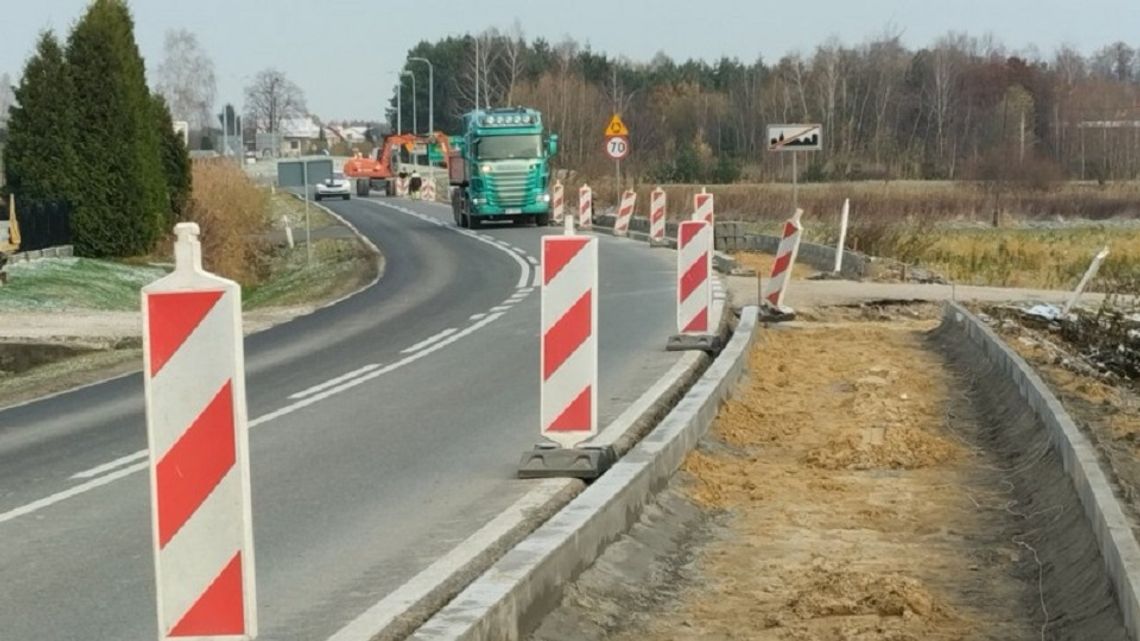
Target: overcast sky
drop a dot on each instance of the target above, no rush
(344, 53)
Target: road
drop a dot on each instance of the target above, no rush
(385, 429)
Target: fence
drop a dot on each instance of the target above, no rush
(43, 225)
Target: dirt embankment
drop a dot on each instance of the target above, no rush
(860, 486)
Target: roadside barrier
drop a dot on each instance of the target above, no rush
(625, 212)
(657, 211)
(585, 207)
(401, 187)
(777, 286)
(199, 450)
(569, 351)
(427, 192)
(558, 202)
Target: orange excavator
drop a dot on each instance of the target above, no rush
(383, 164)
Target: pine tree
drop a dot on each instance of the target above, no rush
(121, 200)
(40, 162)
(175, 161)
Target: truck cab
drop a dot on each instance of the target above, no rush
(499, 168)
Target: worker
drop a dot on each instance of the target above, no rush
(414, 184)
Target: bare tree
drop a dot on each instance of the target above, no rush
(272, 98)
(514, 46)
(186, 79)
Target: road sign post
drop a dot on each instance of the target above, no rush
(617, 147)
(795, 138)
(197, 430)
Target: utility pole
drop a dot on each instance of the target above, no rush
(476, 72)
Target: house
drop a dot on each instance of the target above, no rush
(299, 136)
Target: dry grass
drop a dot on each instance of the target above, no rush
(1041, 258)
(231, 212)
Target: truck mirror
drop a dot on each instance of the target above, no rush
(552, 145)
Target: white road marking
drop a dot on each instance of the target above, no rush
(536, 278)
(98, 482)
(526, 290)
(48, 501)
(107, 467)
(428, 341)
(500, 308)
(329, 383)
(378, 617)
(483, 238)
(476, 317)
(532, 260)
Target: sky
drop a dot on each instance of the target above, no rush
(345, 54)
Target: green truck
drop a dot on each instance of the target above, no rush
(499, 169)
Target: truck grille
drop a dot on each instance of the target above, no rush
(510, 186)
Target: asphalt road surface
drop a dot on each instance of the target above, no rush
(385, 429)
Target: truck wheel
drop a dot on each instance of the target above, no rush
(473, 222)
(389, 188)
(542, 220)
(363, 187)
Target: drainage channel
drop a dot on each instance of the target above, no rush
(872, 480)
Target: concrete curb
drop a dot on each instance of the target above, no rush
(1115, 538)
(511, 598)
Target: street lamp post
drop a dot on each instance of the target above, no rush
(431, 93)
(415, 121)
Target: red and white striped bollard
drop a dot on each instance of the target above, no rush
(558, 203)
(569, 351)
(657, 213)
(777, 286)
(625, 212)
(694, 269)
(703, 207)
(199, 450)
(585, 207)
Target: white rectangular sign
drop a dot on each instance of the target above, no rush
(795, 137)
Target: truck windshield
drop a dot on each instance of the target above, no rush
(505, 147)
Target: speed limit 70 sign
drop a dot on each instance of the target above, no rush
(617, 147)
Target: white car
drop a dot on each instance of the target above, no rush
(335, 187)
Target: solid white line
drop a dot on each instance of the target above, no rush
(107, 467)
(329, 383)
(48, 501)
(536, 278)
(428, 341)
(378, 617)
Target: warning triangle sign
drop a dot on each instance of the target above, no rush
(616, 127)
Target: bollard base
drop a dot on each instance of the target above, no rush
(688, 342)
(773, 314)
(550, 461)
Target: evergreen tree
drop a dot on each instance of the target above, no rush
(40, 162)
(120, 195)
(175, 161)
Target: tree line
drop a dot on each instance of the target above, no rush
(961, 108)
(86, 130)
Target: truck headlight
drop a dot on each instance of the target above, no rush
(485, 169)
(544, 198)
(478, 201)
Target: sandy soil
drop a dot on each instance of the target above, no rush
(855, 510)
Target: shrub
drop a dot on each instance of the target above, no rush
(232, 213)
